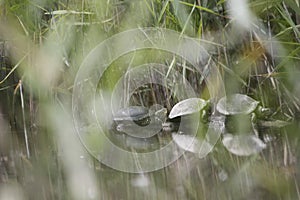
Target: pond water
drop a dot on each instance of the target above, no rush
(272, 173)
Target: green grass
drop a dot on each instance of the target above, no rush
(42, 45)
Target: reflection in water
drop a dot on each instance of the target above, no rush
(219, 175)
(270, 174)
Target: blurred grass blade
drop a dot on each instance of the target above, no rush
(163, 10)
(187, 22)
(183, 17)
(64, 12)
(201, 8)
(23, 118)
(13, 69)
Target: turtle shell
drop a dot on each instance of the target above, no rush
(140, 122)
(237, 104)
(187, 106)
(131, 113)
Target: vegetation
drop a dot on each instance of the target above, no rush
(254, 45)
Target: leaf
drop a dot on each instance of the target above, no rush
(187, 106)
(243, 145)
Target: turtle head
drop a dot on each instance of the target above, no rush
(263, 112)
(170, 127)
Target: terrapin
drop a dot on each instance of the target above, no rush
(241, 136)
(189, 135)
(237, 104)
(138, 114)
(241, 112)
(139, 121)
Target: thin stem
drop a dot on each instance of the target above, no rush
(24, 121)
